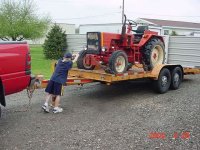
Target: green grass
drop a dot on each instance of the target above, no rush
(39, 64)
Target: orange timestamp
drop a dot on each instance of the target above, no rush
(175, 135)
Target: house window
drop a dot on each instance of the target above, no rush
(166, 32)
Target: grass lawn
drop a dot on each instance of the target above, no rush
(39, 64)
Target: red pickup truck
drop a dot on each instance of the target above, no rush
(15, 68)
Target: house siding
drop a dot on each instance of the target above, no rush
(180, 31)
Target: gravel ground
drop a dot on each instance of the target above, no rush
(96, 116)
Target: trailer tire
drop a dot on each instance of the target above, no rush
(164, 80)
(81, 62)
(153, 53)
(0, 111)
(122, 59)
(177, 77)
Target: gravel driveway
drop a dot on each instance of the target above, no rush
(96, 116)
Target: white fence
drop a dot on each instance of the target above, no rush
(76, 42)
(181, 50)
(184, 50)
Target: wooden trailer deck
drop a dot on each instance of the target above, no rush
(80, 76)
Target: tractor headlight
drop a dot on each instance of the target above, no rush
(84, 47)
(103, 49)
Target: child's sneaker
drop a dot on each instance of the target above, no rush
(45, 108)
(57, 110)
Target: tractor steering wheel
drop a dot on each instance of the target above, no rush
(132, 23)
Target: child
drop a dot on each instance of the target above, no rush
(58, 79)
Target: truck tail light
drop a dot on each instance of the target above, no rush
(28, 63)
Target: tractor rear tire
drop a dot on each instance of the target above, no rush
(164, 80)
(118, 62)
(153, 54)
(81, 61)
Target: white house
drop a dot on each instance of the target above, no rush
(68, 28)
(163, 27)
(109, 27)
(168, 26)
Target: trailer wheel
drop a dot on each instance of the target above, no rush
(153, 54)
(164, 80)
(118, 62)
(0, 111)
(177, 77)
(81, 61)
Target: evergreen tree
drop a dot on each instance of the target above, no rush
(55, 44)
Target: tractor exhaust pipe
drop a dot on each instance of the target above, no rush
(123, 29)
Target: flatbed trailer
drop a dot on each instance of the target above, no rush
(164, 76)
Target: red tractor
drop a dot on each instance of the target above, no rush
(117, 53)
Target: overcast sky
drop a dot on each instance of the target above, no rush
(109, 11)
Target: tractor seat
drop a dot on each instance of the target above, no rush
(140, 30)
(138, 33)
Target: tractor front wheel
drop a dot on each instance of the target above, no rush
(118, 62)
(81, 61)
(153, 54)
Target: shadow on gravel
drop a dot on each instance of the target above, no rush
(188, 80)
(118, 90)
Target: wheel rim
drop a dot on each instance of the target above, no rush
(120, 64)
(157, 55)
(176, 79)
(84, 63)
(164, 81)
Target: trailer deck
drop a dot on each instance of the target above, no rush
(134, 73)
(80, 76)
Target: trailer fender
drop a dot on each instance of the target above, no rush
(156, 70)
